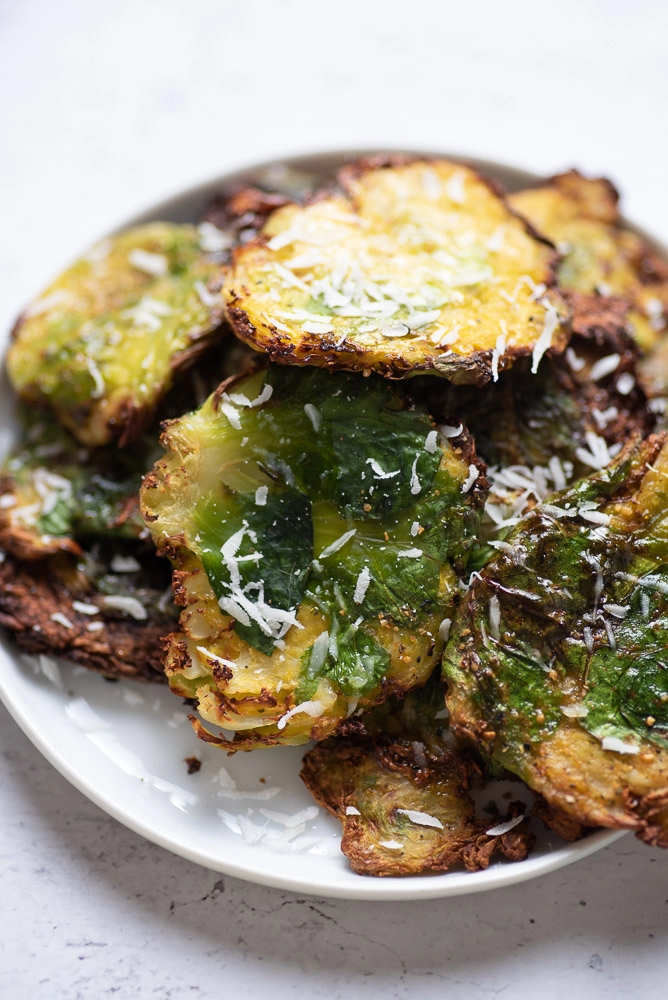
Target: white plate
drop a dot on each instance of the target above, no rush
(123, 744)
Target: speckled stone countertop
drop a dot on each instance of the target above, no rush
(107, 108)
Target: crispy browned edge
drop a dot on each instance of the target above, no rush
(470, 846)
(567, 827)
(31, 593)
(243, 208)
(324, 351)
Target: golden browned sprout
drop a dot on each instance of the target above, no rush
(600, 256)
(400, 787)
(101, 344)
(415, 266)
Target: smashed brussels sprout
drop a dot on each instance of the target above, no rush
(101, 344)
(556, 660)
(416, 266)
(399, 784)
(315, 522)
(600, 256)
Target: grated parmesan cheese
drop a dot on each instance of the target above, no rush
(231, 413)
(618, 746)
(314, 709)
(207, 298)
(625, 383)
(314, 415)
(544, 342)
(421, 818)
(444, 629)
(617, 610)
(598, 456)
(154, 264)
(60, 619)
(430, 442)
(494, 616)
(317, 328)
(416, 485)
(497, 353)
(576, 364)
(125, 564)
(85, 609)
(212, 239)
(451, 432)
(470, 479)
(291, 819)
(498, 831)
(604, 366)
(338, 543)
(454, 187)
(378, 470)
(362, 585)
(575, 711)
(604, 417)
(395, 330)
(129, 605)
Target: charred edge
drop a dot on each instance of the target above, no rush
(651, 815)
(569, 183)
(603, 320)
(254, 366)
(237, 743)
(243, 208)
(565, 826)
(31, 594)
(28, 546)
(514, 845)
(180, 589)
(351, 172)
(470, 369)
(237, 706)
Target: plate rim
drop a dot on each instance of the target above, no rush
(391, 889)
(405, 888)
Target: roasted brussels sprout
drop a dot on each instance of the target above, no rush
(106, 609)
(315, 522)
(531, 421)
(399, 785)
(79, 577)
(100, 346)
(55, 495)
(555, 662)
(580, 216)
(538, 434)
(416, 266)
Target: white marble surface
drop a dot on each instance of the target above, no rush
(107, 108)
